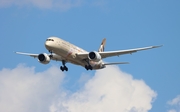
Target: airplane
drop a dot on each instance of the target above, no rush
(61, 50)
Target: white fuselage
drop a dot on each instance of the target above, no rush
(64, 51)
(68, 52)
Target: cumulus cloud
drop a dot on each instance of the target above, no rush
(62, 5)
(23, 90)
(43, 4)
(110, 89)
(175, 104)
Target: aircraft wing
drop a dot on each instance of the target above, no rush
(117, 53)
(54, 57)
(28, 54)
(122, 52)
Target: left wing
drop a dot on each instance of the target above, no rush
(116, 53)
(28, 54)
(54, 56)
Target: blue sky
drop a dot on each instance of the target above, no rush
(25, 25)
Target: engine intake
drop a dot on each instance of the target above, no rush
(94, 56)
(44, 58)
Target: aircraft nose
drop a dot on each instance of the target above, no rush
(48, 45)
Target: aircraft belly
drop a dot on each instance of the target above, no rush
(69, 56)
(68, 53)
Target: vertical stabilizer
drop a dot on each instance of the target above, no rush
(101, 49)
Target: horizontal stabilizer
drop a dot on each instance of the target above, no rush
(116, 63)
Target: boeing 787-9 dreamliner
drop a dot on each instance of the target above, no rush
(61, 50)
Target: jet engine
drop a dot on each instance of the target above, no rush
(44, 58)
(94, 56)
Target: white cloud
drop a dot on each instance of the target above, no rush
(175, 101)
(110, 90)
(100, 3)
(172, 110)
(24, 90)
(43, 4)
(61, 5)
(175, 104)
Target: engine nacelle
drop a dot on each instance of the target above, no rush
(94, 56)
(44, 58)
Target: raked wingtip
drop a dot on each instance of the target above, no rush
(157, 46)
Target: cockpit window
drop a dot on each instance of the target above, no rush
(49, 40)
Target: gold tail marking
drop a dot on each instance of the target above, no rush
(101, 49)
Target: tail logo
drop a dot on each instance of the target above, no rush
(101, 49)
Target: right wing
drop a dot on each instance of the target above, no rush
(54, 56)
(122, 52)
(116, 53)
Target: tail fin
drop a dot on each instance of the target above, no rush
(101, 48)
